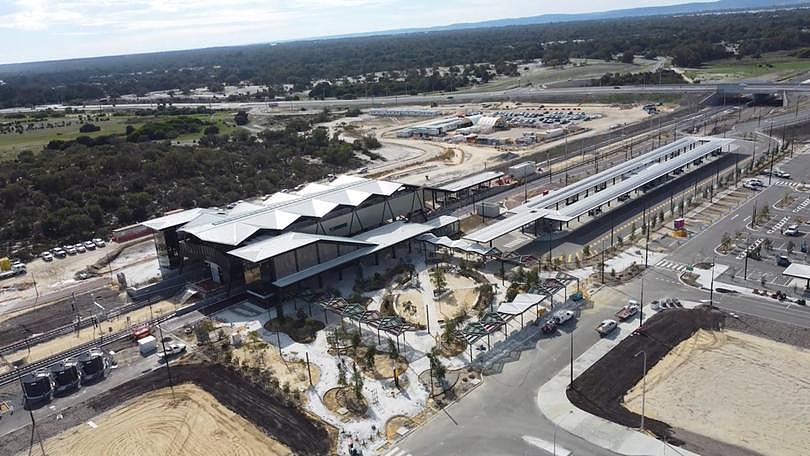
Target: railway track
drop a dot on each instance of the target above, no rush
(104, 340)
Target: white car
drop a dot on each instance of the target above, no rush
(46, 256)
(792, 230)
(562, 316)
(58, 252)
(173, 348)
(780, 173)
(606, 327)
(89, 245)
(70, 250)
(99, 242)
(80, 248)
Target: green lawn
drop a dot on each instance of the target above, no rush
(13, 143)
(776, 64)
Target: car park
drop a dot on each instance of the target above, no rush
(89, 245)
(80, 248)
(99, 242)
(46, 256)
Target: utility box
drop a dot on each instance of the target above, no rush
(488, 209)
(522, 170)
(147, 345)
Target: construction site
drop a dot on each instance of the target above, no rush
(689, 354)
(204, 409)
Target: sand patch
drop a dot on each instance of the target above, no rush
(154, 425)
(293, 372)
(462, 299)
(410, 306)
(735, 388)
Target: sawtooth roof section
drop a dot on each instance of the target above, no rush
(168, 221)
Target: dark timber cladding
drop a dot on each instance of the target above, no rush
(291, 236)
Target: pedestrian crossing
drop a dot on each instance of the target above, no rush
(671, 265)
(397, 451)
(787, 183)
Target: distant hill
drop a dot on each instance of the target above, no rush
(685, 8)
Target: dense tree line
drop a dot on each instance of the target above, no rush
(690, 40)
(620, 79)
(73, 190)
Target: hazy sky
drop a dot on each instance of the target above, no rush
(33, 30)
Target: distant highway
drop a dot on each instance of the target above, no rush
(514, 94)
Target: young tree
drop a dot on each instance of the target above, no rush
(661, 216)
(437, 368)
(240, 118)
(586, 250)
(371, 351)
(357, 383)
(438, 278)
(790, 246)
(356, 340)
(725, 242)
(341, 373)
(767, 244)
(393, 352)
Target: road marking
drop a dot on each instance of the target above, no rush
(397, 451)
(735, 216)
(549, 447)
(671, 265)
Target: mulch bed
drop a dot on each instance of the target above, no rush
(300, 330)
(288, 425)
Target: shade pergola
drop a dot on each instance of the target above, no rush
(391, 324)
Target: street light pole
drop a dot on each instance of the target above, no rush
(643, 385)
(711, 290)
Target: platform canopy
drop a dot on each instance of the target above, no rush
(798, 270)
(521, 303)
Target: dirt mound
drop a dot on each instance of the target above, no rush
(601, 389)
(286, 424)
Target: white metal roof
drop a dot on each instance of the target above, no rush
(643, 177)
(168, 221)
(278, 212)
(502, 227)
(521, 303)
(441, 221)
(469, 181)
(798, 270)
(617, 171)
(276, 245)
(535, 209)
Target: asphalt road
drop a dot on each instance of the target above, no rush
(514, 94)
(493, 418)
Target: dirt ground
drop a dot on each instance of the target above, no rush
(410, 306)
(51, 275)
(292, 372)
(762, 400)
(193, 423)
(68, 341)
(462, 299)
(238, 404)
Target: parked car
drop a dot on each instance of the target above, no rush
(562, 316)
(69, 249)
(549, 327)
(782, 260)
(628, 311)
(89, 245)
(606, 327)
(46, 256)
(792, 230)
(172, 349)
(99, 242)
(780, 173)
(58, 252)
(80, 248)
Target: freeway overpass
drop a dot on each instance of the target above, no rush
(514, 94)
